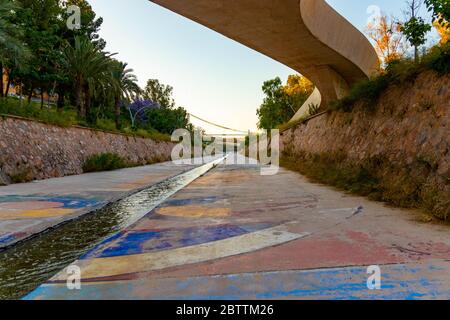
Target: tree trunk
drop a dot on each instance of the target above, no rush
(21, 94)
(52, 94)
(79, 100)
(42, 99)
(416, 54)
(2, 90)
(60, 103)
(87, 104)
(30, 95)
(117, 112)
(9, 83)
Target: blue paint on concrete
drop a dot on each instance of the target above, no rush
(101, 245)
(334, 284)
(137, 242)
(68, 202)
(129, 244)
(5, 239)
(74, 203)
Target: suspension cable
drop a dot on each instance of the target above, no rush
(216, 125)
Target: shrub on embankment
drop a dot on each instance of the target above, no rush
(376, 178)
(112, 161)
(397, 150)
(399, 72)
(105, 162)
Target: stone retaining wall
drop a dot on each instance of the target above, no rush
(31, 150)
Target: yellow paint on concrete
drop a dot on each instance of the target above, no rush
(39, 213)
(194, 211)
(218, 178)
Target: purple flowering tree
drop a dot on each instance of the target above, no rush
(138, 111)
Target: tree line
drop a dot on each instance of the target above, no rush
(393, 37)
(40, 54)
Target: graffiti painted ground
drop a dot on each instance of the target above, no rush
(234, 234)
(30, 208)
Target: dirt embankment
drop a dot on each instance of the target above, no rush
(398, 151)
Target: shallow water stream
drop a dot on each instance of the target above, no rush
(29, 264)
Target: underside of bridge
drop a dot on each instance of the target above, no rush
(306, 35)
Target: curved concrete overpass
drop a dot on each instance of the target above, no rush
(306, 35)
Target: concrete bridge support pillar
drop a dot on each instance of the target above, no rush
(331, 85)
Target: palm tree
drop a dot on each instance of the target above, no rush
(86, 65)
(125, 87)
(100, 87)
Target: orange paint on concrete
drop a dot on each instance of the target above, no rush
(40, 213)
(194, 211)
(228, 178)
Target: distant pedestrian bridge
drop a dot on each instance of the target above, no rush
(308, 36)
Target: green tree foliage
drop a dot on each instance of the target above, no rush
(10, 32)
(124, 87)
(415, 31)
(89, 28)
(41, 54)
(90, 24)
(160, 93)
(40, 20)
(275, 109)
(167, 118)
(84, 63)
(282, 102)
(440, 10)
(13, 51)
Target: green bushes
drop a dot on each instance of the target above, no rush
(68, 117)
(438, 59)
(111, 161)
(366, 92)
(22, 176)
(400, 71)
(105, 124)
(104, 162)
(11, 106)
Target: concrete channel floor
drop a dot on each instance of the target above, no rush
(234, 234)
(30, 208)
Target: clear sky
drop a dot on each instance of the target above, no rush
(213, 77)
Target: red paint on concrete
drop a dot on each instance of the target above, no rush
(319, 251)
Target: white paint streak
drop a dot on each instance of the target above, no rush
(104, 267)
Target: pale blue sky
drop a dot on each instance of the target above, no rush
(213, 77)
